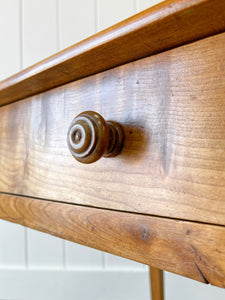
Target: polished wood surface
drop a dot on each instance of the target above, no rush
(90, 137)
(186, 248)
(157, 284)
(165, 26)
(171, 107)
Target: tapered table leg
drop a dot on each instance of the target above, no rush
(157, 288)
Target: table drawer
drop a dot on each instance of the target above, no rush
(171, 107)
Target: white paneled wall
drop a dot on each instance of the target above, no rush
(35, 265)
(77, 20)
(10, 36)
(111, 12)
(39, 30)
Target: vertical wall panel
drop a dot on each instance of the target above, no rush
(40, 40)
(81, 257)
(12, 242)
(12, 237)
(44, 250)
(76, 21)
(111, 12)
(144, 4)
(9, 37)
(116, 262)
(39, 30)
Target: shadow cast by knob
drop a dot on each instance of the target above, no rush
(136, 140)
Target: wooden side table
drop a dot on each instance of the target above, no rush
(140, 106)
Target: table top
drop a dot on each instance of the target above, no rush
(162, 27)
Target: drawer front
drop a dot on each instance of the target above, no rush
(171, 107)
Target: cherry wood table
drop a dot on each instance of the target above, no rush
(118, 142)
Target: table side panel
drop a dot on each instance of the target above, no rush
(171, 107)
(186, 248)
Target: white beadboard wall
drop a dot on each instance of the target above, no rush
(35, 265)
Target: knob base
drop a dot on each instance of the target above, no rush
(116, 139)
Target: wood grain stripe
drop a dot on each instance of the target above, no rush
(187, 248)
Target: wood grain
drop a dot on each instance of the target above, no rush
(186, 248)
(171, 107)
(157, 284)
(165, 26)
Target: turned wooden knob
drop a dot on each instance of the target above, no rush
(90, 137)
